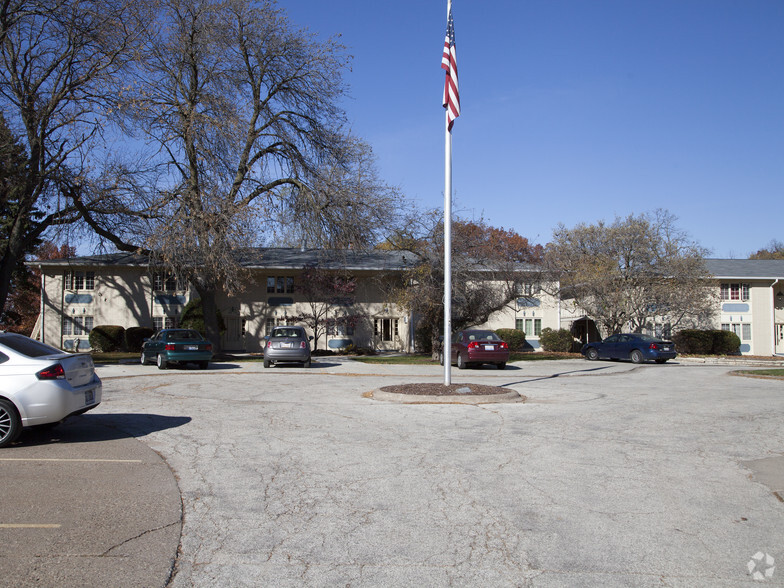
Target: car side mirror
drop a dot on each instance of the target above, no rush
(310, 338)
(266, 337)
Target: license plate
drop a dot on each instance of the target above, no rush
(191, 348)
(665, 348)
(287, 345)
(89, 397)
(489, 347)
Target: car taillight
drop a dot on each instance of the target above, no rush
(652, 346)
(170, 347)
(54, 372)
(503, 345)
(302, 345)
(208, 347)
(473, 345)
(269, 344)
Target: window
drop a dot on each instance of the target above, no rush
(742, 330)
(77, 325)
(166, 282)
(79, 280)
(532, 327)
(280, 285)
(735, 291)
(164, 322)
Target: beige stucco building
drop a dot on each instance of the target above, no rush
(123, 289)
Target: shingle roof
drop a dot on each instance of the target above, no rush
(770, 269)
(267, 258)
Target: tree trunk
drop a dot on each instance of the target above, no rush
(210, 309)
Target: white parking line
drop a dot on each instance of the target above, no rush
(27, 526)
(71, 460)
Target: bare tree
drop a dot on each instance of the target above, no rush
(59, 60)
(329, 298)
(636, 270)
(489, 267)
(239, 115)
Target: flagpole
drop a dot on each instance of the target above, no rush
(451, 102)
(448, 255)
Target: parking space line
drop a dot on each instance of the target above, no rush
(71, 460)
(28, 526)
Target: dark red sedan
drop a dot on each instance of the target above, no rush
(477, 346)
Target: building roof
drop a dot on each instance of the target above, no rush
(261, 258)
(762, 269)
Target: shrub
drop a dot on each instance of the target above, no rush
(107, 338)
(514, 337)
(725, 343)
(559, 341)
(693, 341)
(708, 342)
(193, 317)
(135, 336)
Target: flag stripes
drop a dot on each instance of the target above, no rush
(451, 100)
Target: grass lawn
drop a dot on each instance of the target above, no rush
(416, 359)
(419, 359)
(768, 373)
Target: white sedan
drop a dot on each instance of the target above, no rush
(42, 385)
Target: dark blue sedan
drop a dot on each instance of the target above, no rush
(632, 346)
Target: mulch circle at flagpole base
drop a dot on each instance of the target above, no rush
(442, 394)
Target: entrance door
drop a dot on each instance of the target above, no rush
(386, 334)
(234, 337)
(779, 335)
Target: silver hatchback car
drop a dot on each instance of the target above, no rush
(42, 385)
(287, 345)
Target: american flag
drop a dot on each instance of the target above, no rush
(451, 99)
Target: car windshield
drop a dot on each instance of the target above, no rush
(288, 333)
(482, 336)
(179, 335)
(26, 346)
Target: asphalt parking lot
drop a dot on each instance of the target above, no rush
(610, 474)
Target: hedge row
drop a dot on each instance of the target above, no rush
(707, 342)
(108, 338)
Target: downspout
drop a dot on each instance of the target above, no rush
(773, 317)
(42, 336)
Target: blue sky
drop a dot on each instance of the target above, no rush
(575, 110)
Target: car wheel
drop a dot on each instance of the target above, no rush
(636, 356)
(501, 366)
(306, 364)
(203, 365)
(143, 359)
(161, 362)
(592, 354)
(10, 423)
(267, 363)
(461, 364)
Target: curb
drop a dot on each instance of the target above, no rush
(445, 399)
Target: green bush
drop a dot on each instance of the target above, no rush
(558, 341)
(107, 338)
(514, 337)
(135, 336)
(707, 342)
(725, 343)
(193, 317)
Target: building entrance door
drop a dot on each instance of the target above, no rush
(779, 335)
